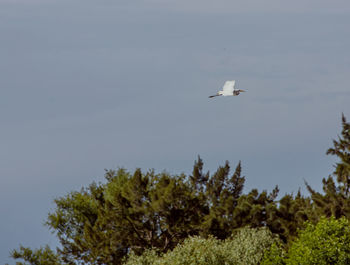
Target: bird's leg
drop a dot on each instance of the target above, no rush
(217, 94)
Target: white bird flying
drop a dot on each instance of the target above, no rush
(228, 90)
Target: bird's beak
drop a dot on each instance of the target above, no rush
(241, 90)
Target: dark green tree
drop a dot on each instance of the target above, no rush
(100, 224)
(336, 198)
(291, 214)
(230, 209)
(41, 256)
(222, 192)
(341, 149)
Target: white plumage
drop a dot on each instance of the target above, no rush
(228, 90)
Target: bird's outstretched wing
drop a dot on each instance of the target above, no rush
(229, 87)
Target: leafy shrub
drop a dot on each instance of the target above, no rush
(274, 256)
(149, 257)
(328, 242)
(244, 247)
(247, 246)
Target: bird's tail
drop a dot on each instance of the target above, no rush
(213, 96)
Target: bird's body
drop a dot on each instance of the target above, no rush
(228, 90)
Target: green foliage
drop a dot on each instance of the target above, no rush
(291, 215)
(328, 242)
(275, 255)
(148, 257)
(145, 212)
(41, 256)
(245, 247)
(336, 198)
(194, 250)
(139, 211)
(341, 149)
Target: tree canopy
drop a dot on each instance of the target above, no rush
(140, 212)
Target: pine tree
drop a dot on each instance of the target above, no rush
(291, 214)
(222, 193)
(102, 223)
(336, 198)
(341, 149)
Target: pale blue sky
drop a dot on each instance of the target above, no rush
(88, 85)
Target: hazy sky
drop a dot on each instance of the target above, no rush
(88, 85)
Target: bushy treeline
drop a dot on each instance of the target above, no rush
(326, 243)
(163, 217)
(246, 246)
